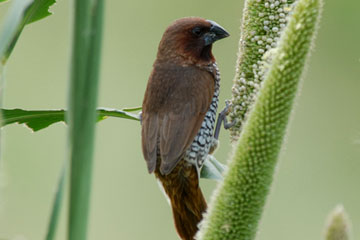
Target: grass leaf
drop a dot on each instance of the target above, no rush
(132, 109)
(40, 119)
(124, 113)
(36, 120)
(12, 27)
(21, 13)
(38, 10)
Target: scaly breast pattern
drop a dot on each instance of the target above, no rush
(199, 149)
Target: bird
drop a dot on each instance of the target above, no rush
(179, 113)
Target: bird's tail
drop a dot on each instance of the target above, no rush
(187, 201)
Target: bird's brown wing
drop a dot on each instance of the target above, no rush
(149, 133)
(176, 101)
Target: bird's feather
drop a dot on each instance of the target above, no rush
(178, 99)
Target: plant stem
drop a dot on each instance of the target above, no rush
(88, 15)
(55, 212)
(238, 203)
(338, 226)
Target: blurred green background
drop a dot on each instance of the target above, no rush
(319, 165)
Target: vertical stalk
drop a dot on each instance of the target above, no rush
(237, 205)
(338, 225)
(55, 213)
(85, 63)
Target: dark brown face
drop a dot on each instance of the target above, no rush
(191, 38)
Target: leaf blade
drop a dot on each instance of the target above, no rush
(134, 109)
(38, 10)
(22, 12)
(39, 119)
(12, 27)
(35, 120)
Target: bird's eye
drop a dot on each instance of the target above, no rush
(197, 31)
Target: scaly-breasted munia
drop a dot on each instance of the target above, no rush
(178, 115)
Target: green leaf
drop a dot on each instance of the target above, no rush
(132, 109)
(40, 119)
(237, 205)
(36, 120)
(38, 10)
(103, 113)
(21, 13)
(12, 27)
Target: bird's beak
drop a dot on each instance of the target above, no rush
(216, 32)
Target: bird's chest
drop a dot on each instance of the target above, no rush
(199, 148)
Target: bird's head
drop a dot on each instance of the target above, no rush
(190, 39)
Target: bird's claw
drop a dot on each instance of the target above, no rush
(225, 112)
(227, 109)
(228, 125)
(222, 118)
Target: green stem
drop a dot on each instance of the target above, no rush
(88, 15)
(236, 210)
(55, 212)
(261, 27)
(338, 226)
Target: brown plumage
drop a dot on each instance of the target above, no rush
(179, 94)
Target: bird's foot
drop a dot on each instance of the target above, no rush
(222, 119)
